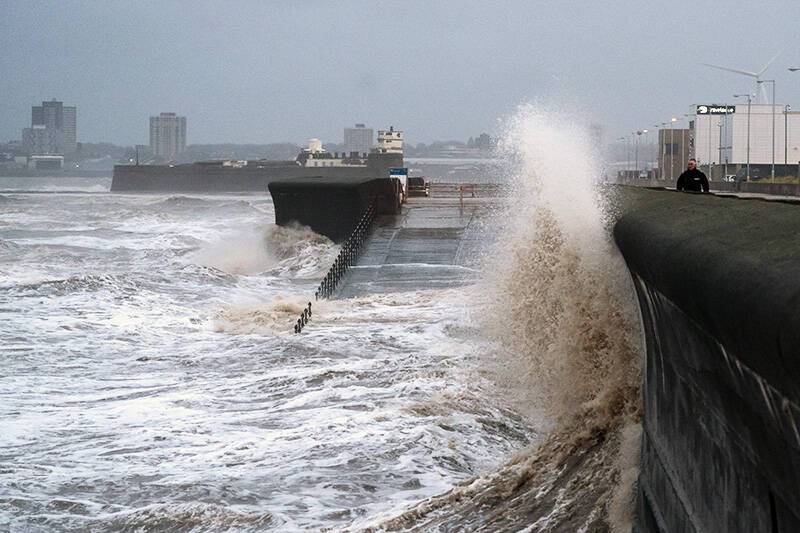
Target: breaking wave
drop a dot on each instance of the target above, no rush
(249, 318)
(88, 283)
(558, 300)
(189, 517)
(294, 251)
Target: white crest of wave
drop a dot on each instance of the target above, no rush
(244, 318)
(562, 310)
(563, 302)
(285, 250)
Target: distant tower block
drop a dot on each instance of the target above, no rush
(390, 141)
(359, 139)
(59, 121)
(168, 135)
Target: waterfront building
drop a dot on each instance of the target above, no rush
(674, 149)
(358, 139)
(167, 135)
(721, 137)
(390, 141)
(42, 140)
(60, 120)
(46, 162)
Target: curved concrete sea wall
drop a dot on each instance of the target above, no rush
(718, 283)
(753, 187)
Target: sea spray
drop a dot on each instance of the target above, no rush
(557, 272)
(558, 301)
(554, 275)
(273, 317)
(283, 250)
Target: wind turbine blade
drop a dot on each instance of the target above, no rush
(768, 64)
(746, 73)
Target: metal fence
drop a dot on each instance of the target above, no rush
(348, 255)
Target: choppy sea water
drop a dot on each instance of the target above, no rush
(150, 381)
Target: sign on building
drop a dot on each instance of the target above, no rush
(715, 109)
(400, 173)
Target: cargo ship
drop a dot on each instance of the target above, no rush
(255, 175)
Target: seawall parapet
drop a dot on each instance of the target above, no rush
(718, 284)
(214, 176)
(331, 206)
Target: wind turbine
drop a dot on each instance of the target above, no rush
(762, 93)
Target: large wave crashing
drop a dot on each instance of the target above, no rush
(561, 306)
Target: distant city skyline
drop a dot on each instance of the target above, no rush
(251, 72)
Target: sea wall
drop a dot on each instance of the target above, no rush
(255, 177)
(718, 284)
(331, 206)
(753, 187)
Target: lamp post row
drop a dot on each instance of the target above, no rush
(673, 120)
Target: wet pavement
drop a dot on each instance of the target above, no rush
(434, 243)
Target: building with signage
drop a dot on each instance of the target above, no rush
(719, 138)
(167, 135)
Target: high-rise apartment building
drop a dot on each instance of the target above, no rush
(358, 139)
(54, 117)
(167, 135)
(70, 129)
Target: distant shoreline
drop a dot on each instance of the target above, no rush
(70, 173)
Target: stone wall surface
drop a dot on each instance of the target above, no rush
(718, 283)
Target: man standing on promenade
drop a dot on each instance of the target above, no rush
(692, 179)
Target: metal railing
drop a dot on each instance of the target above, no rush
(305, 318)
(348, 255)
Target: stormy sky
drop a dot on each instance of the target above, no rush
(268, 71)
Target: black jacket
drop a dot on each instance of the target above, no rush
(692, 180)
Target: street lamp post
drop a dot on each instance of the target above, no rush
(749, 100)
(627, 155)
(672, 122)
(772, 173)
(719, 127)
(723, 132)
(786, 110)
(658, 144)
(637, 140)
(685, 137)
(709, 148)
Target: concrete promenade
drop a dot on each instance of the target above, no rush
(435, 242)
